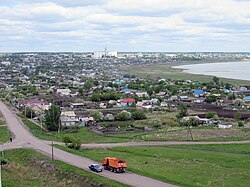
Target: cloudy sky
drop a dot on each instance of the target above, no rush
(124, 25)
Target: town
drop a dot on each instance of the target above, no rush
(88, 90)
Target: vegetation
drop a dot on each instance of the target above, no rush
(28, 168)
(4, 132)
(171, 134)
(187, 165)
(138, 115)
(72, 143)
(52, 118)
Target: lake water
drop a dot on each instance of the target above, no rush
(231, 70)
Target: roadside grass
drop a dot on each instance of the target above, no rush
(27, 167)
(4, 132)
(166, 71)
(184, 165)
(171, 134)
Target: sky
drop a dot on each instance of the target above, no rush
(125, 25)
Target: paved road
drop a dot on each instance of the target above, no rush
(23, 139)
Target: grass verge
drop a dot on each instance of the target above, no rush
(192, 165)
(4, 132)
(29, 168)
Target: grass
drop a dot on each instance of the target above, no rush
(175, 134)
(192, 165)
(166, 71)
(29, 168)
(4, 132)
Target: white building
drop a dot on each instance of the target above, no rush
(104, 54)
(6, 63)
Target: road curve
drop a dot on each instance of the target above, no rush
(23, 138)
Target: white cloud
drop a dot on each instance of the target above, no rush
(86, 25)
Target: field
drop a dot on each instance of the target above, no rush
(193, 165)
(165, 71)
(170, 134)
(28, 168)
(4, 132)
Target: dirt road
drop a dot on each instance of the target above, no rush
(23, 139)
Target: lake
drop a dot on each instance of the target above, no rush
(231, 70)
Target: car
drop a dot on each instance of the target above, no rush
(95, 167)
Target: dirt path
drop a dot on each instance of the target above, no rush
(24, 139)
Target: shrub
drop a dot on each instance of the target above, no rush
(72, 143)
(240, 124)
(210, 115)
(138, 115)
(123, 116)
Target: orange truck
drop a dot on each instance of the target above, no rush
(114, 164)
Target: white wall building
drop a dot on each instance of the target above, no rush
(104, 54)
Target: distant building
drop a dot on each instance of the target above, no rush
(104, 54)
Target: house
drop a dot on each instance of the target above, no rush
(247, 99)
(70, 114)
(141, 94)
(184, 98)
(77, 105)
(68, 121)
(86, 121)
(63, 92)
(161, 94)
(126, 91)
(198, 93)
(128, 102)
(224, 125)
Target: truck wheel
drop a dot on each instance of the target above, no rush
(115, 170)
(112, 169)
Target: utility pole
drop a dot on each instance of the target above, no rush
(52, 152)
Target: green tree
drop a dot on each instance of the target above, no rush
(52, 118)
(210, 99)
(80, 91)
(123, 116)
(182, 111)
(98, 116)
(138, 115)
(216, 80)
(95, 97)
(210, 115)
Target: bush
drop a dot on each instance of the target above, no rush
(240, 124)
(72, 143)
(210, 115)
(138, 115)
(109, 117)
(123, 116)
(98, 116)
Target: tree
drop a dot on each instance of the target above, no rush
(72, 143)
(216, 80)
(210, 99)
(98, 116)
(123, 116)
(95, 97)
(182, 111)
(210, 115)
(150, 91)
(80, 91)
(88, 84)
(138, 115)
(237, 116)
(52, 118)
